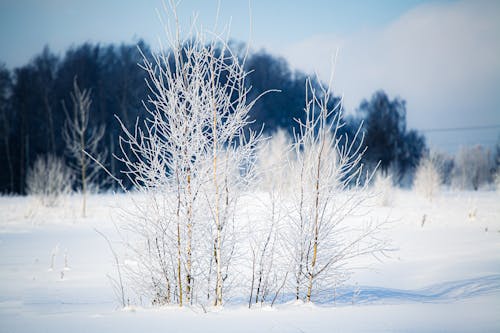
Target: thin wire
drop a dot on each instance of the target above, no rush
(469, 128)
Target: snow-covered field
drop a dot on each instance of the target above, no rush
(443, 275)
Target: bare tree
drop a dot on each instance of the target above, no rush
(427, 177)
(272, 159)
(48, 180)
(496, 178)
(330, 187)
(5, 120)
(383, 185)
(265, 236)
(82, 140)
(189, 159)
(472, 167)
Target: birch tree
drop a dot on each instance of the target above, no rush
(472, 167)
(190, 158)
(427, 177)
(330, 187)
(48, 180)
(82, 140)
(383, 186)
(265, 235)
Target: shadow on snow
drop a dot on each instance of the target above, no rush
(437, 293)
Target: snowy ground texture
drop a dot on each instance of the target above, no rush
(443, 277)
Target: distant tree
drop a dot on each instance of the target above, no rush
(427, 178)
(26, 141)
(384, 122)
(496, 158)
(445, 164)
(409, 153)
(386, 136)
(48, 180)
(472, 167)
(126, 85)
(496, 176)
(124, 91)
(82, 140)
(83, 62)
(6, 121)
(269, 72)
(45, 66)
(278, 109)
(383, 186)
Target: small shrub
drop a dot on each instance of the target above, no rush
(427, 178)
(49, 179)
(384, 187)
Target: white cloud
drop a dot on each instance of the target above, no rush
(443, 59)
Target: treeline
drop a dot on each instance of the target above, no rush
(34, 97)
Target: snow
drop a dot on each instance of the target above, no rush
(442, 275)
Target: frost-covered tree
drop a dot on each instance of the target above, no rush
(265, 235)
(472, 167)
(49, 179)
(272, 158)
(427, 178)
(383, 185)
(189, 159)
(81, 141)
(496, 176)
(496, 179)
(444, 163)
(329, 187)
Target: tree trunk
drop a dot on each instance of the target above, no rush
(179, 276)
(7, 153)
(179, 262)
(189, 240)
(48, 108)
(218, 284)
(316, 224)
(84, 174)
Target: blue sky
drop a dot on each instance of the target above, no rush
(442, 57)
(27, 25)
